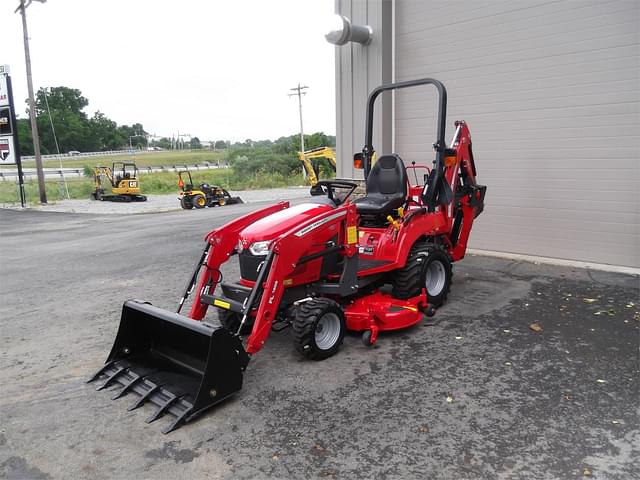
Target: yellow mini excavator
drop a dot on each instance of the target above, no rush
(123, 177)
(312, 168)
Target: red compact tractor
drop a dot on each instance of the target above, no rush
(324, 266)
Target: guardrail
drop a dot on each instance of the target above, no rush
(70, 156)
(8, 175)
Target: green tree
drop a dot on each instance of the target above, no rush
(24, 136)
(164, 143)
(133, 135)
(281, 156)
(71, 124)
(195, 144)
(220, 145)
(105, 133)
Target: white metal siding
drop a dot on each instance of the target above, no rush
(359, 69)
(550, 90)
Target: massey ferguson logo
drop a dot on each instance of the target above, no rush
(4, 150)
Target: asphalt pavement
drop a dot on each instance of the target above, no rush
(479, 391)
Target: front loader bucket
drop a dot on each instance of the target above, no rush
(181, 365)
(234, 200)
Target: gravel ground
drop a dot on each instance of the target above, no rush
(160, 203)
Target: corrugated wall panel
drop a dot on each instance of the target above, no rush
(551, 91)
(359, 69)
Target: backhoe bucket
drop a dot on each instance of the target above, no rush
(181, 365)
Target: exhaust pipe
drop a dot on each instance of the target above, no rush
(183, 366)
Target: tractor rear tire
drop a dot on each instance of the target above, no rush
(428, 266)
(318, 328)
(437, 275)
(231, 321)
(198, 201)
(185, 202)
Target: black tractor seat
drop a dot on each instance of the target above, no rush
(386, 187)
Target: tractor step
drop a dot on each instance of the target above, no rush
(181, 365)
(233, 297)
(221, 302)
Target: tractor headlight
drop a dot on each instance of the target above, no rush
(259, 248)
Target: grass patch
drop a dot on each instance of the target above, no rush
(151, 184)
(78, 188)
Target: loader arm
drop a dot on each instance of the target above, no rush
(220, 245)
(286, 254)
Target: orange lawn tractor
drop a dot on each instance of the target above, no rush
(204, 195)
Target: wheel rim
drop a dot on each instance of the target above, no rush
(201, 202)
(435, 278)
(327, 331)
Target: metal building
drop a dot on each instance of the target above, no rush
(551, 91)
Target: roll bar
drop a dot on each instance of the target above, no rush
(439, 145)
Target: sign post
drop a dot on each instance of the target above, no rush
(9, 142)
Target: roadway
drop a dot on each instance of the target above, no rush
(474, 394)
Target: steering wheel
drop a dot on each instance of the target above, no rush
(330, 187)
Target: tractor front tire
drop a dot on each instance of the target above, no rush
(318, 328)
(198, 201)
(428, 266)
(185, 202)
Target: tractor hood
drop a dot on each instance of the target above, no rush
(269, 228)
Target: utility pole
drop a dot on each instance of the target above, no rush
(32, 103)
(299, 93)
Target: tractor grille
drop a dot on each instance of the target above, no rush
(249, 265)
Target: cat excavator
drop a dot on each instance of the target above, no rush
(123, 177)
(313, 168)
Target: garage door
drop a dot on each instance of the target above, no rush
(551, 94)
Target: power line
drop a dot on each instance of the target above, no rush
(32, 103)
(55, 139)
(299, 93)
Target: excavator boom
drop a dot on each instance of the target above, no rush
(311, 169)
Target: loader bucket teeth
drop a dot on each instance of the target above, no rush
(112, 378)
(180, 365)
(162, 409)
(144, 397)
(128, 386)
